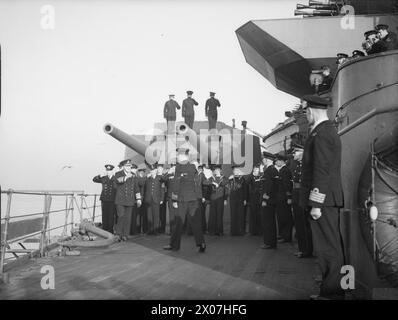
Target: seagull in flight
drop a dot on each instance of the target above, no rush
(66, 167)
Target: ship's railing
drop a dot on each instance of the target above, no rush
(75, 202)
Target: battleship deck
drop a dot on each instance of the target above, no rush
(231, 268)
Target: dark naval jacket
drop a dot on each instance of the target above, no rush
(222, 190)
(211, 107)
(169, 111)
(321, 172)
(184, 184)
(206, 186)
(255, 188)
(296, 180)
(278, 184)
(154, 189)
(127, 189)
(108, 191)
(238, 188)
(170, 182)
(187, 107)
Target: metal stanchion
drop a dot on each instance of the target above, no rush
(4, 234)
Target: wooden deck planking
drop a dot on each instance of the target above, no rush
(231, 268)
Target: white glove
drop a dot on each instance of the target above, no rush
(171, 171)
(316, 213)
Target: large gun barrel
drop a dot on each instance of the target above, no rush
(324, 2)
(316, 7)
(313, 12)
(128, 140)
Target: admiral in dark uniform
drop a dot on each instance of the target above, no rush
(188, 112)
(218, 200)
(237, 199)
(321, 193)
(107, 198)
(127, 196)
(185, 201)
(301, 221)
(211, 110)
(169, 113)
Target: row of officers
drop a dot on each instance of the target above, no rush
(306, 193)
(136, 202)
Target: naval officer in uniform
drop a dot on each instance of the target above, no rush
(107, 197)
(282, 198)
(211, 110)
(321, 194)
(301, 221)
(127, 196)
(185, 201)
(188, 111)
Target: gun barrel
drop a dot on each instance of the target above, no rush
(128, 140)
(324, 2)
(316, 7)
(314, 12)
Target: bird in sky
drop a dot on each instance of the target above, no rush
(66, 167)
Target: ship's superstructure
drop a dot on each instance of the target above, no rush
(364, 95)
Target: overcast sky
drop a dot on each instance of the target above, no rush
(117, 61)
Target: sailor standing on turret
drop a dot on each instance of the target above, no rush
(321, 194)
(188, 112)
(211, 110)
(169, 113)
(107, 197)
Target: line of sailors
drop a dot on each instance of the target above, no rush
(134, 201)
(377, 40)
(188, 111)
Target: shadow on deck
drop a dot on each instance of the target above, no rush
(231, 268)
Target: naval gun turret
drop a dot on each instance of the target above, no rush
(225, 146)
